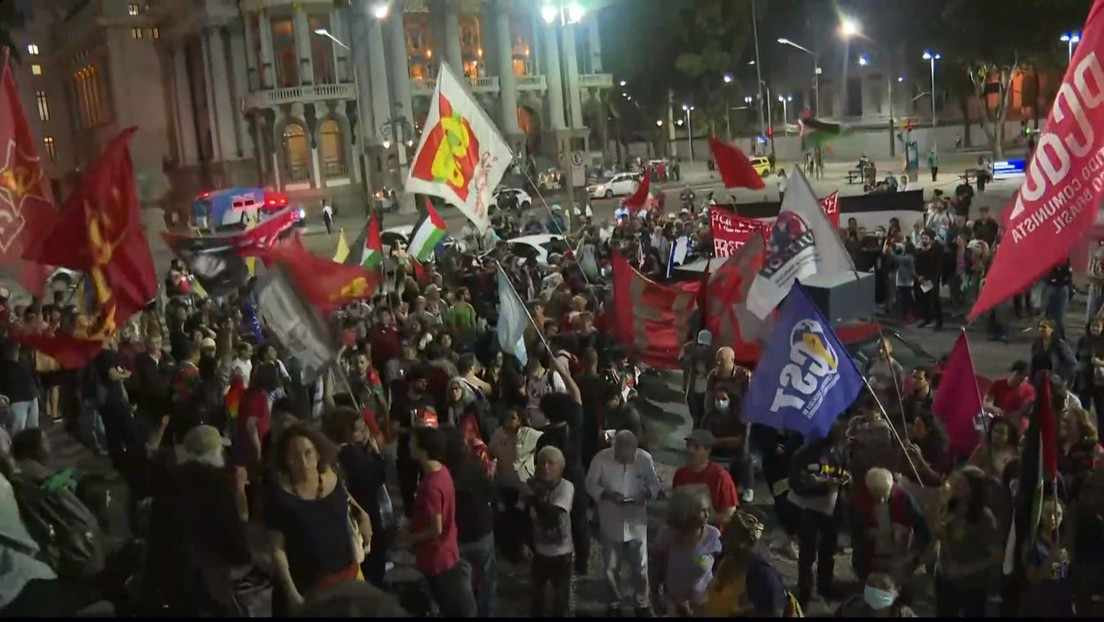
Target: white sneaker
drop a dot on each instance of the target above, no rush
(747, 496)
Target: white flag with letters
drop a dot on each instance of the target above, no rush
(802, 243)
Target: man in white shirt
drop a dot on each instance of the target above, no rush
(327, 216)
(242, 365)
(623, 480)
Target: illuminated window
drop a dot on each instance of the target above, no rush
(32, 49)
(36, 70)
(137, 33)
(332, 148)
(133, 9)
(43, 105)
(296, 152)
(284, 52)
(155, 33)
(51, 150)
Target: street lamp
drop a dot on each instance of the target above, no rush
(816, 68)
(659, 122)
(381, 10)
(728, 78)
(931, 58)
(849, 28)
(1071, 39)
(863, 60)
(623, 83)
(785, 99)
(687, 108)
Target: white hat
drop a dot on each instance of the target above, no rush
(705, 338)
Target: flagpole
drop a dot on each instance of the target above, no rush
(536, 191)
(980, 415)
(892, 428)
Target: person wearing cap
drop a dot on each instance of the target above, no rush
(1013, 396)
(622, 480)
(697, 357)
(198, 515)
(700, 470)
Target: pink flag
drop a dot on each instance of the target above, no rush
(957, 402)
(1063, 184)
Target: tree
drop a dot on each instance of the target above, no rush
(994, 41)
(11, 19)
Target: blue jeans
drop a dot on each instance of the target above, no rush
(92, 427)
(24, 416)
(1056, 300)
(480, 555)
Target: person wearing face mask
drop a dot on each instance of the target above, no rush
(880, 598)
(929, 272)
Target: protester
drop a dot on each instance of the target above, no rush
(550, 497)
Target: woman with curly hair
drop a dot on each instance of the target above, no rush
(318, 532)
(745, 583)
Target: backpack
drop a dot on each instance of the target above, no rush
(67, 532)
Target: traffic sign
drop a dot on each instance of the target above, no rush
(578, 170)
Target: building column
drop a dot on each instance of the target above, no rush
(267, 62)
(507, 81)
(303, 36)
(316, 169)
(595, 41)
(377, 66)
(236, 63)
(360, 59)
(249, 27)
(185, 119)
(340, 31)
(400, 67)
(555, 81)
(574, 91)
(453, 54)
(220, 103)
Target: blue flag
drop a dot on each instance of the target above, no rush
(513, 319)
(805, 378)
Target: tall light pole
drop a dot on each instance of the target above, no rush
(1071, 39)
(567, 15)
(850, 28)
(931, 58)
(687, 108)
(758, 72)
(816, 69)
(785, 99)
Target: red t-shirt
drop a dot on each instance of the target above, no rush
(435, 495)
(386, 345)
(1010, 399)
(722, 490)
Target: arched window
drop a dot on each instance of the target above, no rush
(296, 153)
(332, 149)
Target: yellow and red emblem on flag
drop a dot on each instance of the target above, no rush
(450, 153)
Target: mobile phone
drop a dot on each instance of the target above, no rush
(628, 500)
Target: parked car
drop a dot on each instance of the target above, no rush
(620, 184)
(502, 195)
(537, 247)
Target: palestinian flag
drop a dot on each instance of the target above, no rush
(817, 133)
(429, 231)
(367, 251)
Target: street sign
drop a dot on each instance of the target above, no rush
(578, 170)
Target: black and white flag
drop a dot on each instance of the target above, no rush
(295, 323)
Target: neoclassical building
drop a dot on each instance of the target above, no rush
(319, 97)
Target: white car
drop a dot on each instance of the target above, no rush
(537, 247)
(621, 184)
(524, 201)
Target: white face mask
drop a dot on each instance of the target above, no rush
(879, 599)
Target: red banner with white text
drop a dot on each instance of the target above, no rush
(732, 231)
(1064, 181)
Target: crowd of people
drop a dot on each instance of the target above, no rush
(245, 487)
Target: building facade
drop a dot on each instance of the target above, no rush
(320, 97)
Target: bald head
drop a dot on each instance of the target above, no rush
(726, 358)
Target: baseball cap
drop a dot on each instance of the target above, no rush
(701, 438)
(705, 337)
(1020, 367)
(203, 439)
(207, 342)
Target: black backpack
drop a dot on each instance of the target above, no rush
(67, 532)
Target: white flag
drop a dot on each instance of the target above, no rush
(512, 320)
(802, 243)
(461, 156)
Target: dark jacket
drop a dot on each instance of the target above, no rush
(929, 263)
(811, 463)
(1059, 355)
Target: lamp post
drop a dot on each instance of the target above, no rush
(816, 69)
(850, 28)
(687, 108)
(1071, 39)
(759, 72)
(931, 58)
(785, 99)
(322, 32)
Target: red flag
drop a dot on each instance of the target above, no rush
(420, 274)
(99, 232)
(1064, 183)
(830, 205)
(70, 351)
(636, 201)
(958, 402)
(735, 168)
(325, 284)
(729, 319)
(26, 205)
(651, 320)
(731, 231)
(1048, 429)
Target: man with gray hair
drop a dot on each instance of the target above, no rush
(888, 530)
(550, 498)
(623, 480)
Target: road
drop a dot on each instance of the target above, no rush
(667, 417)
